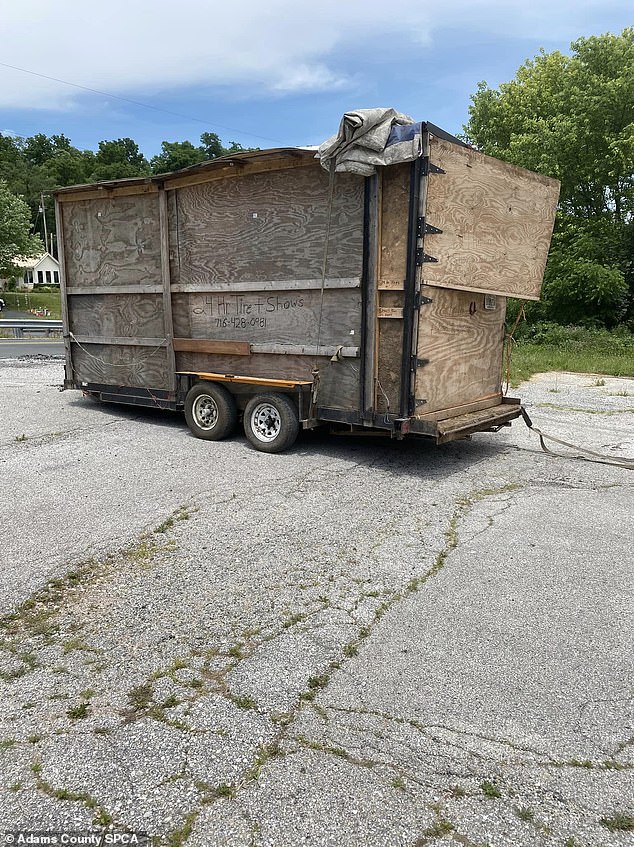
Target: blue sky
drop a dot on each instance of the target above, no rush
(266, 74)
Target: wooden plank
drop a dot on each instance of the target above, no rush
(238, 169)
(496, 221)
(270, 226)
(201, 345)
(117, 315)
(97, 192)
(265, 365)
(130, 341)
(373, 224)
(307, 350)
(270, 318)
(61, 248)
(266, 285)
(246, 380)
(166, 280)
(444, 414)
(462, 342)
(112, 241)
(339, 385)
(390, 312)
(395, 211)
(115, 289)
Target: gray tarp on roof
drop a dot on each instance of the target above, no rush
(369, 138)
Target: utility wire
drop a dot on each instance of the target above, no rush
(138, 103)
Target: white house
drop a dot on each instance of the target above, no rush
(39, 270)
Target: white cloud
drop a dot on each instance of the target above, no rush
(136, 47)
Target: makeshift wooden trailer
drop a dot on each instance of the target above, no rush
(259, 286)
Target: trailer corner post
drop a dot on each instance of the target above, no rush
(167, 288)
(69, 380)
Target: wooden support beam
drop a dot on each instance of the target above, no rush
(167, 294)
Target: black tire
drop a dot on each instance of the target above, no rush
(210, 411)
(271, 422)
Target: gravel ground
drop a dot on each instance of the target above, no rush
(359, 642)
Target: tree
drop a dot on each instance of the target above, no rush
(176, 155)
(15, 231)
(119, 159)
(572, 117)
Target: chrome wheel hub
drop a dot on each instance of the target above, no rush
(205, 412)
(266, 422)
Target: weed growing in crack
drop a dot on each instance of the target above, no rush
(140, 696)
(298, 617)
(15, 786)
(438, 829)
(458, 791)
(35, 738)
(524, 813)
(243, 701)
(236, 651)
(618, 822)
(7, 743)
(490, 789)
(398, 782)
(350, 650)
(78, 712)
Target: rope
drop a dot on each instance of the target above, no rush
(136, 361)
(599, 458)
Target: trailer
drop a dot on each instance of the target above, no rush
(260, 286)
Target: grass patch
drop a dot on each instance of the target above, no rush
(78, 712)
(525, 814)
(619, 822)
(25, 301)
(544, 347)
(140, 696)
(490, 789)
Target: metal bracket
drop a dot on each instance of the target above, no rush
(429, 168)
(422, 257)
(419, 363)
(419, 402)
(423, 228)
(421, 300)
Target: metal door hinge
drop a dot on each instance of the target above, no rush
(422, 257)
(430, 168)
(423, 228)
(421, 300)
(419, 363)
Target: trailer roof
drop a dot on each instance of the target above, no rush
(232, 159)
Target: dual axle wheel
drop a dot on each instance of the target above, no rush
(271, 422)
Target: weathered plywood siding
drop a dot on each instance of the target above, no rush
(131, 315)
(246, 260)
(496, 221)
(112, 241)
(462, 343)
(121, 364)
(269, 226)
(394, 212)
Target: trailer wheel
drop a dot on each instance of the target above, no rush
(271, 422)
(210, 411)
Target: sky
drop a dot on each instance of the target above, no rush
(265, 73)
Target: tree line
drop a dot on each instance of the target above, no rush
(33, 166)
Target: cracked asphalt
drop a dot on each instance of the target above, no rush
(359, 642)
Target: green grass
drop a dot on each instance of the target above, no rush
(549, 347)
(24, 301)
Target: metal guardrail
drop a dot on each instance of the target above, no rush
(26, 328)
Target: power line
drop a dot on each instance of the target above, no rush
(138, 103)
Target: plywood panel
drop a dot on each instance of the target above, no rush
(395, 191)
(496, 221)
(285, 317)
(267, 365)
(269, 226)
(133, 315)
(112, 241)
(121, 365)
(462, 342)
(395, 187)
